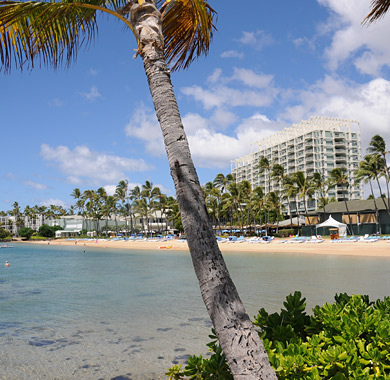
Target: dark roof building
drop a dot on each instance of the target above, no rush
(361, 216)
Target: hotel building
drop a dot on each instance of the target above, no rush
(319, 144)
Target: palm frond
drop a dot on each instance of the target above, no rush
(378, 9)
(187, 29)
(52, 32)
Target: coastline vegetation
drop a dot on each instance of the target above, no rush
(349, 339)
(230, 204)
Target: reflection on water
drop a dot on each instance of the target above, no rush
(117, 314)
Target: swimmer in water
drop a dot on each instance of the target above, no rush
(6, 264)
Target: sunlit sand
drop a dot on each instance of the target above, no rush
(378, 248)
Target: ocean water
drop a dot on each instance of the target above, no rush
(127, 314)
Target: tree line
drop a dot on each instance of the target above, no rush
(238, 204)
(229, 203)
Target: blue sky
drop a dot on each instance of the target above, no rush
(271, 64)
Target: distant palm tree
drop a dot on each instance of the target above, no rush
(366, 173)
(338, 178)
(321, 185)
(264, 166)
(257, 199)
(305, 190)
(378, 145)
(221, 181)
(275, 204)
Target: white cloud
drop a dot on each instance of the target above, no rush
(92, 72)
(111, 189)
(210, 148)
(81, 164)
(56, 102)
(258, 90)
(144, 126)
(35, 185)
(215, 76)
(10, 176)
(367, 103)
(223, 118)
(251, 79)
(256, 40)
(232, 54)
(366, 46)
(226, 96)
(92, 95)
(304, 41)
(54, 202)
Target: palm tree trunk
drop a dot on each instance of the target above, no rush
(307, 216)
(380, 195)
(239, 340)
(378, 222)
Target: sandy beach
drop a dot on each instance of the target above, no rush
(378, 248)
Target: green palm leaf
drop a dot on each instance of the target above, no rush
(50, 31)
(187, 29)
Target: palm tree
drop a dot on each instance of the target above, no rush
(378, 9)
(177, 35)
(275, 204)
(257, 198)
(338, 178)
(278, 174)
(377, 167)
(366, 173)
(305, 190)
(265, 166)
(320, 185)
(378, 146)
(221, 181)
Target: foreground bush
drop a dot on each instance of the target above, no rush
(349, 339)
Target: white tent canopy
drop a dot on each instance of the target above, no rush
(334, 223)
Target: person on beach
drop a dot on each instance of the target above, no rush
(6, 264)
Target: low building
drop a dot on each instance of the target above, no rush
(362, 217)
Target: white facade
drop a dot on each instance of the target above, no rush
(9, 223)
(319, 144)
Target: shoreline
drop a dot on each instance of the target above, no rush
(373, 249)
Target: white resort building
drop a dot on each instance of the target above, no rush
(319, 144)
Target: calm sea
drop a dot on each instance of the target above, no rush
(120, 314)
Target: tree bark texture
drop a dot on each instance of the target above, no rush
(239, 340)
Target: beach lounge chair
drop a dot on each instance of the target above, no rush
(315, 239)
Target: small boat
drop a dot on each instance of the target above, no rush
(6, 246)
(165, 247)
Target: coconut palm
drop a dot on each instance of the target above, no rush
(378, 146)
(366, 173)
(377, 167)
(305, 190)
(278, 173)
(176, 33)
(321, 185)
(264, 166)
(257, 198)
(275, 204)
(338, 178)
(378, 9)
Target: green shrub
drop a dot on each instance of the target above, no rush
(4, 234)
(26, 232)
(349, 339)
(48, 231)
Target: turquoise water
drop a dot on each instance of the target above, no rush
(121, 314)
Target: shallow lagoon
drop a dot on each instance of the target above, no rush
(120, 314)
